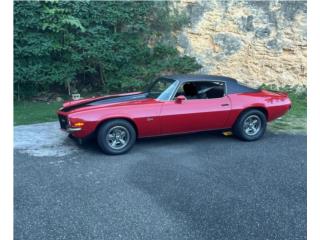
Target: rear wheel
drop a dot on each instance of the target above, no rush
(251, 125)
(116, 136)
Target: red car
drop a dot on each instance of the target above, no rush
(173, 105)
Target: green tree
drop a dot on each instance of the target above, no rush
(117, 46)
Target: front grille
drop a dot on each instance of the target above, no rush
(63, 121)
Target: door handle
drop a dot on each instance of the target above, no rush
(225, 104)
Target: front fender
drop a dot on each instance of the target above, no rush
(92, 123)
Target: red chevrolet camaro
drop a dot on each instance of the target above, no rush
(173, 105)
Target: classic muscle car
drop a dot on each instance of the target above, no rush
(173, 105)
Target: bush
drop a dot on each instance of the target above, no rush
(116, 46)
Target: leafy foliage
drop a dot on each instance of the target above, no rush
(115, 46)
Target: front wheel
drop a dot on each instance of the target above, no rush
(116, 136)
(251, 125)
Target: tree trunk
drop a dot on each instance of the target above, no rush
(101, 75)
(68, 87)
(18, 90)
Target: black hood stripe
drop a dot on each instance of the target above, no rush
(107, 100)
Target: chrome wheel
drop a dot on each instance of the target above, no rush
(118, 137)
(252, 125)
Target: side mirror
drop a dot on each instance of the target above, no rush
(180, 99)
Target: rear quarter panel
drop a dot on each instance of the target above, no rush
(274, 104)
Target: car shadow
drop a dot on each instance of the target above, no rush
(91, 145)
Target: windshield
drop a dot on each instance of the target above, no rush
(162, 89)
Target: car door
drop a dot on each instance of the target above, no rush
(194, 115)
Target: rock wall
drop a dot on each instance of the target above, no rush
(255, 42)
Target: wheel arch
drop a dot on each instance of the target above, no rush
(131, 121)
(260, 108)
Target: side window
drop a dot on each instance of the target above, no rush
(202, 90)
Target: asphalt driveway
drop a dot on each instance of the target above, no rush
(199, 186)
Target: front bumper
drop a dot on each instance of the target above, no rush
(65, 124)
(71, 129)
(76, 131)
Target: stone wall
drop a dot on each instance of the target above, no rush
(255, 42)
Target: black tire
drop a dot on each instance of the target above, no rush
(118, 125)
(243, 130)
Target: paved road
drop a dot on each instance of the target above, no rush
(200, 186)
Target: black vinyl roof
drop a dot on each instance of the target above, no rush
(200, 77)
(232, 84)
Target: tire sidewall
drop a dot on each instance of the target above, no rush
(103, 131)
(239, 130)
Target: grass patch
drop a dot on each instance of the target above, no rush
(295, 121)
(28, 112)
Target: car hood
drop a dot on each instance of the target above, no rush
(99, 101)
